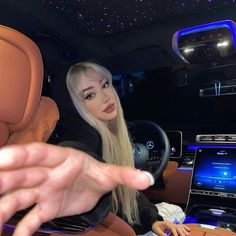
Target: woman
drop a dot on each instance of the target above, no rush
(90, 88)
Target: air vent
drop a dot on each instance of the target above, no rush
(216, 138)
(217, 90)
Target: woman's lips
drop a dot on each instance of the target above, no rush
(110, 108)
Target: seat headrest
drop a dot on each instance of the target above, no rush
(21, 78)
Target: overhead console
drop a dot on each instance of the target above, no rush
(206, 43)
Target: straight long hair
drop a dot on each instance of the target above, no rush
(117, 148)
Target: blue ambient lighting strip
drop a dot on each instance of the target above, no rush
(195, 147)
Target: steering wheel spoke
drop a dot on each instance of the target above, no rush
(158, 146)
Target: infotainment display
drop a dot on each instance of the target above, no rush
(215, 172)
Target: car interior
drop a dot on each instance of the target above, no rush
(173, 67)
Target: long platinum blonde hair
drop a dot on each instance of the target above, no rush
(117, 148)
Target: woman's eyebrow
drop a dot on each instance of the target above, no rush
(86, 89)
(91, 87)
(101, 80)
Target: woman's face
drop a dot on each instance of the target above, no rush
(99, 96)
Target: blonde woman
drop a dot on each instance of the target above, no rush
(103, 131)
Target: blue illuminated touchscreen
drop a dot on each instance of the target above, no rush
(215, 170)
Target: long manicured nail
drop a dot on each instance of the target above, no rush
(5, 159)
(150, 176)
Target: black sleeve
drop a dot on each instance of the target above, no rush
(80, 131)
(148, 214)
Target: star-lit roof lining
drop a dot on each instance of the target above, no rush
(107, 17)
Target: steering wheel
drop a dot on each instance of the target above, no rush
(152, 137)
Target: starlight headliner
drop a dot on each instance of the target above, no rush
(106, 17)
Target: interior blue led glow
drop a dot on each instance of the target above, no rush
(200, 28)
(214, 25)
(195, 147)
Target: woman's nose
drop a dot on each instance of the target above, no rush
(106, 97)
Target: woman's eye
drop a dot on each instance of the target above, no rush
(106, 85)
(89, 96)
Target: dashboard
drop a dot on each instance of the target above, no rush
(178, 174)
(189, 148)
(183, 149)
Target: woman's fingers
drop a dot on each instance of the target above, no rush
(176, 229)
(160, 232)
(16, 201)
(137, 179)
(40, 154)
(46, 155)
(182, 230)
(31, 222)
(112, 176)
(186, 228)
(23, 178)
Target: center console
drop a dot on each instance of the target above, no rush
(212, 194)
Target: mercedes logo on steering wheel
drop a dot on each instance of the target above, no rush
(150, 145)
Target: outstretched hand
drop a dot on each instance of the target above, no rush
(55, 179)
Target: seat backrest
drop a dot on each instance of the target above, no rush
(22, 109)
(25, 116)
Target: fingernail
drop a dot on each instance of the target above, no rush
(5, 159)
(150, 176)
